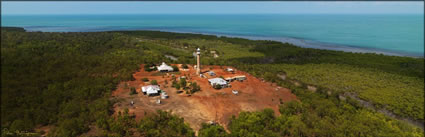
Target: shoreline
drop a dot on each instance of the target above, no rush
(304, 43)
(300, 42)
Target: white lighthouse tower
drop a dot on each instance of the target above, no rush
(198, 61)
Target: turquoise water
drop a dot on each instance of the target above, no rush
(389, 34)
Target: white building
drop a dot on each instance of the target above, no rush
(229, 69)
(218, 81)
(151, 90)
(240, 78)
(164, 67)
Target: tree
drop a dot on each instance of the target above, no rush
(154, 82)
(270, 76)
(133, 91)
(147, 68)
(194, 87)
(209, 130)
(173, 83)
(177, 86)
(71, 127)
(185, 66)
(183, 82)
(297, 127)
(291, 108)
(254, 124)
(185, 44)
(175, 68)
(158, 124)
(122, 124)
(19, 125)
(216, 86)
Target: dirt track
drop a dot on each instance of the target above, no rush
(206, 105)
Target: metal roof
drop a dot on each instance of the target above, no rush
(218, 81)
(164, 66)
(151, 89)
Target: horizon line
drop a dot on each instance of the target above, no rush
(215, 13)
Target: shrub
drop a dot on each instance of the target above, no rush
(148, 68)
(215, 86)
(175, 68)
(19, 125)
(183, 82)
(185, 66)
(173, 83)
(154, 82)
(159, 125)
(208, 130)
(195, 87)
(133, 91)
(145, 79)
(177, 86)
(291, 108)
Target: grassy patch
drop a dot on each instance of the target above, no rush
(400, 94)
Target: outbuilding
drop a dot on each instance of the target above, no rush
(229, 69)
(229, 79)
(164, 95)
(240, 77)
(151, 90)
(218, 81)
(211, 73)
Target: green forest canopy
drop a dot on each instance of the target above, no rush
(65, 80)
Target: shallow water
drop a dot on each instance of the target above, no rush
(401, 35)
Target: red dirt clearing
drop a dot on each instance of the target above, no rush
(209, 104)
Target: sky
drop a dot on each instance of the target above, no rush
(184, 7)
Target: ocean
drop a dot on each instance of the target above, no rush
(391, 34)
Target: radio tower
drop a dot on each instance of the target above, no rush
(198, 61)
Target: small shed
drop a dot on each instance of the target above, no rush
(211, 73)
(164, 95)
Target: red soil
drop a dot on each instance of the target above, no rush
(206, 105)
